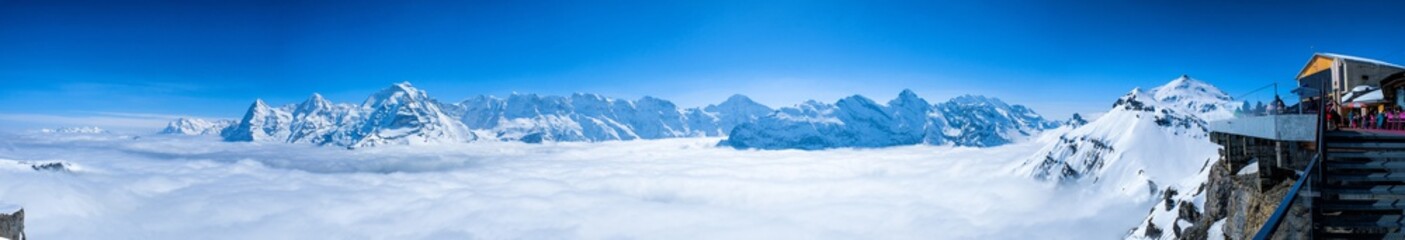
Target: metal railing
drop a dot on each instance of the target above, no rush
(1291, 199)
(1311, 177)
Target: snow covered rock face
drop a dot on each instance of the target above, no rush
(196, 126)
(735, 111)
(316, 121)
(981, 121)
(398, 115)
(1076, 121)
(857, 121)
(1131, 149)
(261, 123)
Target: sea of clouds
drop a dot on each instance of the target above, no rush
(167, 187)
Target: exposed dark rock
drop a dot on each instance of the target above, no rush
(1166, 198)
(1152, 231)
(12, 225)
(50, 166)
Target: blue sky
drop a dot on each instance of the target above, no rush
(130, 63)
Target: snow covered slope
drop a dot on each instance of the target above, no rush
(857, 121)
(1145, 148)
(1137, 145)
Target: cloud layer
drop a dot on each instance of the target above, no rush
(179, 187)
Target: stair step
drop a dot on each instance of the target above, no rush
(1379, 192)
(1368, 177)
(1350, 135)
(1368, 154)
(1389, 220)
(1397, 205)
(1365, 145)
(1368, 165)
(1334, 236)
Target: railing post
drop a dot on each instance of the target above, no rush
(1322, 125)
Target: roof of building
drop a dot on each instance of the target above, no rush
(1361, 59)
(1322, 61)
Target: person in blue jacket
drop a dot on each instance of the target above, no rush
(1380, 120)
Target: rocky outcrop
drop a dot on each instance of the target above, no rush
(12, 224)
(1237, 201)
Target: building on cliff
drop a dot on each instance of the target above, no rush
(1333, 166)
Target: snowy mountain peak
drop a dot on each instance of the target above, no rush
(258, 105)
(1135, 100)
(977, 100)
(908, 97)
(1196, 97)
(260, 123)
(855, 100)
(1187, 86)
(588, 96)
(907, 93)
(1076, 121)
(317, 97)
(740, 104)
(653, 100)
(738, 99)
(402, 114)
(314, 103)
(395, 95)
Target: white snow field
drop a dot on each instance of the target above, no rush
(184, 187)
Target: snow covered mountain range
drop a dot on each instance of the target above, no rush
(857, 121)
(75, 130)
(196, 126)
(402, 115)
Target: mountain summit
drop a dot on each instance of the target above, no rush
(402, 114)
(1196, 97)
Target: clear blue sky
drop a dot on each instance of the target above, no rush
(115, 61)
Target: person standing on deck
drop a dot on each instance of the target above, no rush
(1351, 119)
(1380, 118)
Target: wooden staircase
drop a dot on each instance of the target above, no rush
(1362, 191)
